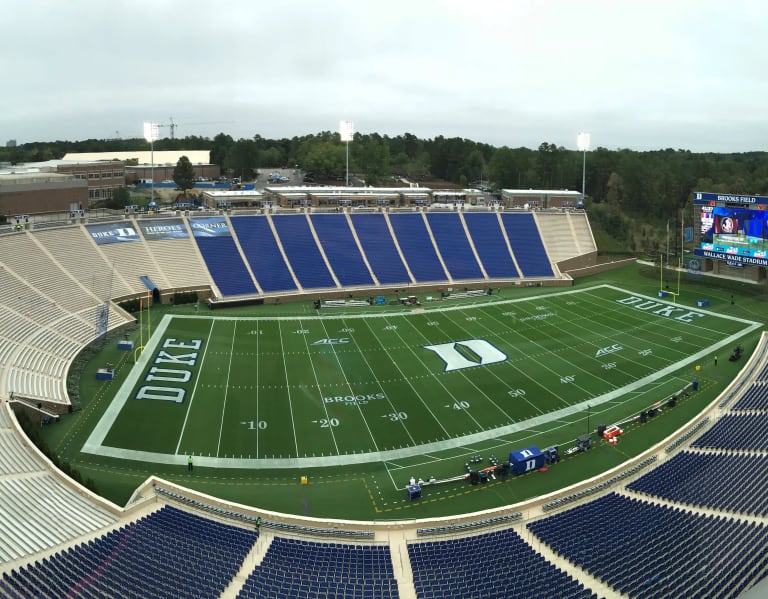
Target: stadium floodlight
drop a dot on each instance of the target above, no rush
(582, 143)
(151, 134)
(347, 132)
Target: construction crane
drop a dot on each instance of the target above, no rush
(171, 125)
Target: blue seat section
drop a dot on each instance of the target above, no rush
(736, 431)
(225, 265)
(485, 230)
(341, 250)
(263, 253)
(526, 244)
(645, 550)
(379, 248)
(302, 251)
(754, 398)
(307, 569)
(497, 564)
(170, 553)
(725, 481)
(451, 240)
(418, 250)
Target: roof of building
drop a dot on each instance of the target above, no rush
(144, 156)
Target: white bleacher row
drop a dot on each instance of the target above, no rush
(180, 261)
(15, 455)
(35, 385)
(134, 262)
(15, 327)
(25, 301)
(81, 257)
(27, 259)
(35, 360)
(557, 236)
(583, 232)
(59, 515)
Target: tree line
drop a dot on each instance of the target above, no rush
(621, 185)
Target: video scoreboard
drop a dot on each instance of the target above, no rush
(733, 228)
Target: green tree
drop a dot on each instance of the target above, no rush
(119, 199)
(242, 159)
(184, 174)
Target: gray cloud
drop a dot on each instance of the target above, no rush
(643, 75)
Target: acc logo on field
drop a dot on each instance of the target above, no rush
(338, 341)
(467, 354)
(604, 351)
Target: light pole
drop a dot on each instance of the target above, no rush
(582, 142)
(589, 432)
(151, 133)
(346, 130)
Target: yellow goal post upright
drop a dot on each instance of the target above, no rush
(143, 302)
(663, 292)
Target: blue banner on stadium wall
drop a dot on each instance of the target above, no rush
(700, 197)
(112, 233)
(212, 226)
(168, 228)
(735, 259)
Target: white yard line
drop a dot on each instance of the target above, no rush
(226, 389)
(288, 391)
(317, 384)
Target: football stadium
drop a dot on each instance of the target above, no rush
(415, 401)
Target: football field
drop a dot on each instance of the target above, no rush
(337, 389)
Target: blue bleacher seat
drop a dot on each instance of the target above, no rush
(417, 247)
(341, 250)
(263, 254)
(526, 244)
(485, 230)
(454, 247)
(226, 265)
(302, 251)
(379, 248)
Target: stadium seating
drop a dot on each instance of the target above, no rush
(417, 247)
(300, 568)
(724, 481)
(754, 398)
(341, 250)
(72, 248)
(451, 239)
(737, 431)
(526, 244)
(38, 512)
(225, 265)
(497, 564)
(485, 230)
(263, 253)
(380, 249)
(170, 553)
(303, 252)
(179, 261)
(646, 550)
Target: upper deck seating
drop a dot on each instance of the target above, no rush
(302, 251)
(341, 250)
(490, 244)
(451, 240)
(379, 248)
(417, 247)
(526, 244)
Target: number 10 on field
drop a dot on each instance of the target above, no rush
(253, 425)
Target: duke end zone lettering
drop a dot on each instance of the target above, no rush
(170, 368)
(641, 303)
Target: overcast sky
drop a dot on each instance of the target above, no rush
(639, 74)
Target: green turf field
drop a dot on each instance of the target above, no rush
(402, 389)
